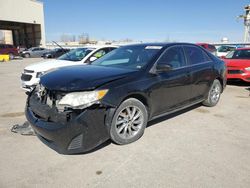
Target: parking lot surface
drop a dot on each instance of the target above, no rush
(197, 147)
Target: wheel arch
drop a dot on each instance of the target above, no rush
(142, 98)
(137, 95)
(221, 82)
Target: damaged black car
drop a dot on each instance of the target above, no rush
(75, 109)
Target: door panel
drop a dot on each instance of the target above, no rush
(201, 71)
(172, 90)
(201, 80)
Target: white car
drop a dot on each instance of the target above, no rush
(79, 56)
(222, 51)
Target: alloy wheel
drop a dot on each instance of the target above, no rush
(215, 93)
(129, 122)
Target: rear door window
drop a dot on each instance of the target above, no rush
(195, 55)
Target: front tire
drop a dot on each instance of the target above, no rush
(27, 55)
(214, 94)
(129, 122)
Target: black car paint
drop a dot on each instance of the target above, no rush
(55, 53)
(73, 79)
(179, 88)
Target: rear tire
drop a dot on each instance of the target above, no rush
(129, 122)
(213, 94)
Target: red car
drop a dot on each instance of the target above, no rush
(9, 50)
(238, 64)
(209, 47)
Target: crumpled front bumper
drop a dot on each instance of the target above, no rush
(68, 132)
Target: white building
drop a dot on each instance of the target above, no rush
(22, 22)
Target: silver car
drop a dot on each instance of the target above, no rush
(34, 52)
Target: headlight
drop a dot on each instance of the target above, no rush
(39, 74)
(248, 68)
(79, 100)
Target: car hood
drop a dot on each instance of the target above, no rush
(242, 63)
(51, 64)
(83, 77)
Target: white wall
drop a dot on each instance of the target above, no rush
(25, 11)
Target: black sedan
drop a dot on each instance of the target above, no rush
(77, 108)
(55, 53)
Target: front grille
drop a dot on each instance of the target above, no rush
(28, 71)
(26, 77)
(235, 72)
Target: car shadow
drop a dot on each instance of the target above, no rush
(172, 115)
(101, 146)
(150, 123)
(240, 84)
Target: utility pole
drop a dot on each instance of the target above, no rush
(246, 18)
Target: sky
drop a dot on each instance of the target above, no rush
(146, 20)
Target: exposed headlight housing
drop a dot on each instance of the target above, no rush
(80, 100)
(248, 68)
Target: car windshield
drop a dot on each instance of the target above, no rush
(76, 54)
(128, 57)
(238, 54)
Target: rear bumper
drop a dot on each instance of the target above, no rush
(82, 133)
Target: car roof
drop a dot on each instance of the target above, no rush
(243, 48)
(228, 45)
(163, 44)
(203, 43)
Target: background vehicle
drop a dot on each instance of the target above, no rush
(9, 49)
(76, 108)
(209, 47)
(32, 73)
(238, 64)
(55, 53)
(34, 52)
(222, 51)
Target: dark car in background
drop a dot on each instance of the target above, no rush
(211, 48)
(55, 53)
(75, 109)
(9, 49)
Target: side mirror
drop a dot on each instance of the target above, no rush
(92, 59)
(163, 68)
